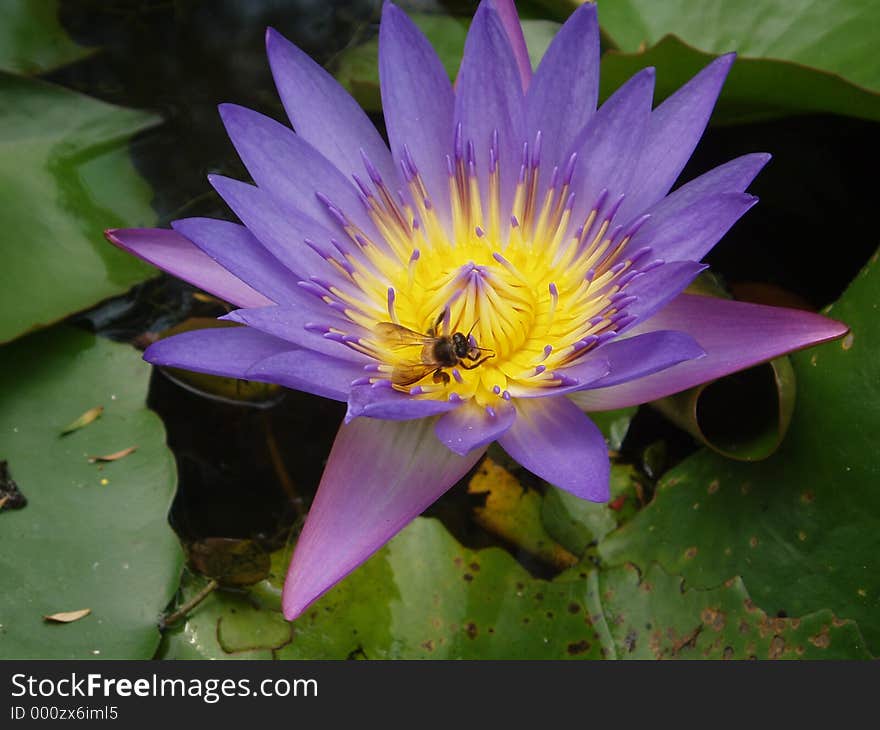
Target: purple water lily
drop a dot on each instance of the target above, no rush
(513, 260)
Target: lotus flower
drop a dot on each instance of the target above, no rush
(513, 260)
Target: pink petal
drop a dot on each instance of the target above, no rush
(380, 476)
(178, 256)
(735, 336)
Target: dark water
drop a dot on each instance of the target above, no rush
(250, 472)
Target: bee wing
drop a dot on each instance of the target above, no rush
(408, 373)
(397, 337)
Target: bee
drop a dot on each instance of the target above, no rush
(439, 351)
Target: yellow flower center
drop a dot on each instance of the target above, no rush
(526, 294)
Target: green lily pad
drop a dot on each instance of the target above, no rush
(421, 596)
(226, 625)
(92, 535)
(577, 523)
(799, 527)
(838, 38)
(793, 56)
(613, 424)
(79, 181)
(756, 88)
(32, 40)
(424, 596)
(654, 617)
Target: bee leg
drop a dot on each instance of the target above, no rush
(440, 318)
(440, 376)
(478, 362)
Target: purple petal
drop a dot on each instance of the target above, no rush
(178, 256)
(735, 335)
(690, 232)
(282, 229)
(641, 355)
(417, 100)
(674, 129)
(660, 285)
(290, 169)
(299, 326)
(588, 371)
(322, 112)
(472, 427)
(308, 371)
(609, 147)
(235, 249)
(554, 439)
(489, 99)
(379, 477)
(227, 351)
(567, 79)
(731, 177)
(506, 10)
(385, 402)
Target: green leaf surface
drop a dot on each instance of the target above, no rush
(756, 88)
(794, 55)
(577, 523)
(92, 535)
(79, 181)
(613, 424)
(801, 527)
(839, 37)
(226, 625)
(424, 596)
(32, 40)
(654, 617)
(421, 596)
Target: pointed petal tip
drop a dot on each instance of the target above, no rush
(273, 37)
(389, 9)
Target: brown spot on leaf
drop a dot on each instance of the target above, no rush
(808, 497)
(574, 607)
(847, 342)
(629, 641)
(713, 486)
(691, 552)
(475, 566)
(579, 647)
(822, 640)
(714, 618)
(471, 630)
(468, 577)
(777, 648)
(727, 653)
(428, 645)
(754, 541)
